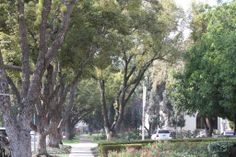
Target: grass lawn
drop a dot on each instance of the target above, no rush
(73, 141)
(63, 151)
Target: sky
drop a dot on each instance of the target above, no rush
(186, 4)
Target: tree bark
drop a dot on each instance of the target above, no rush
(235, 124)
(209, 126)
(41, 145)
(107, 126)
(19, 139)
(69, 126)
(21, 142)
(55, 137)
(18, 124)
(17, 128)
(69, 130)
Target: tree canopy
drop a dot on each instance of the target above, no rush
(207, 83)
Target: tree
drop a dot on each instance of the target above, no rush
(204, 86)
(146, 40)
(81, 45)
(85, 108)
(160, 109)
(17, 123)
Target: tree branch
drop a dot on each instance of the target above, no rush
(24, 48)
(5, 103)
(14, 90)
(52, 50)
(43, 62)
(14, 68)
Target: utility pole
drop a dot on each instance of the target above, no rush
(143, 113)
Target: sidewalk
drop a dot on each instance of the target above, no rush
(84, 149)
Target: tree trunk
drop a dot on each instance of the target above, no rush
(21, 144)
(69, 130)
(41, 145)
(20, 141)
(120, 116)
(18, 129)
(109, 134)
(209, 127)
(55, 137)
(107, 126)
(235, 125)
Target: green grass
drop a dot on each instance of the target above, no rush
(73, 141)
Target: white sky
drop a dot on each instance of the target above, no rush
(186, 4)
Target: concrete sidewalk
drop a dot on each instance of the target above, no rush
(84, 149)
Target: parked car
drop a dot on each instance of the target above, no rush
(4, 143)
(162, 134)
(3, 132)
(228, 133)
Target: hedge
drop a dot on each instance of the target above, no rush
(105, 147)
(223, 148)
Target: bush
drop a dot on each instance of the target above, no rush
(133, 135)
(222, 148)
(98, 137)
(166, 149)
(178, 147)
(106, 149)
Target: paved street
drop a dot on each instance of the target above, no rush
(84, 149)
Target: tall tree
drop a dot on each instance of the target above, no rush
(63, 76)
(204, 85)
(17, 123)
(147, 39)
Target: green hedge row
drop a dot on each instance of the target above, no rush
(222, 148)
(105, 147)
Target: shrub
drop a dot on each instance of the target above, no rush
(106, 149)
(166, 149)
(222, 148)
(178, 147)
(98, 137)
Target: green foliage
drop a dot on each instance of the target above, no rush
(163, 149)
(222, 148)
(98, 137)
(74, 140)
(207, 83)
(88, 99)
(176, 148)
(130, 135)
(104, 150)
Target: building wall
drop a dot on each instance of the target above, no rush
(190, 123)
(223, 125)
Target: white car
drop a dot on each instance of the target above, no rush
(162, 134)
(228, 133)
